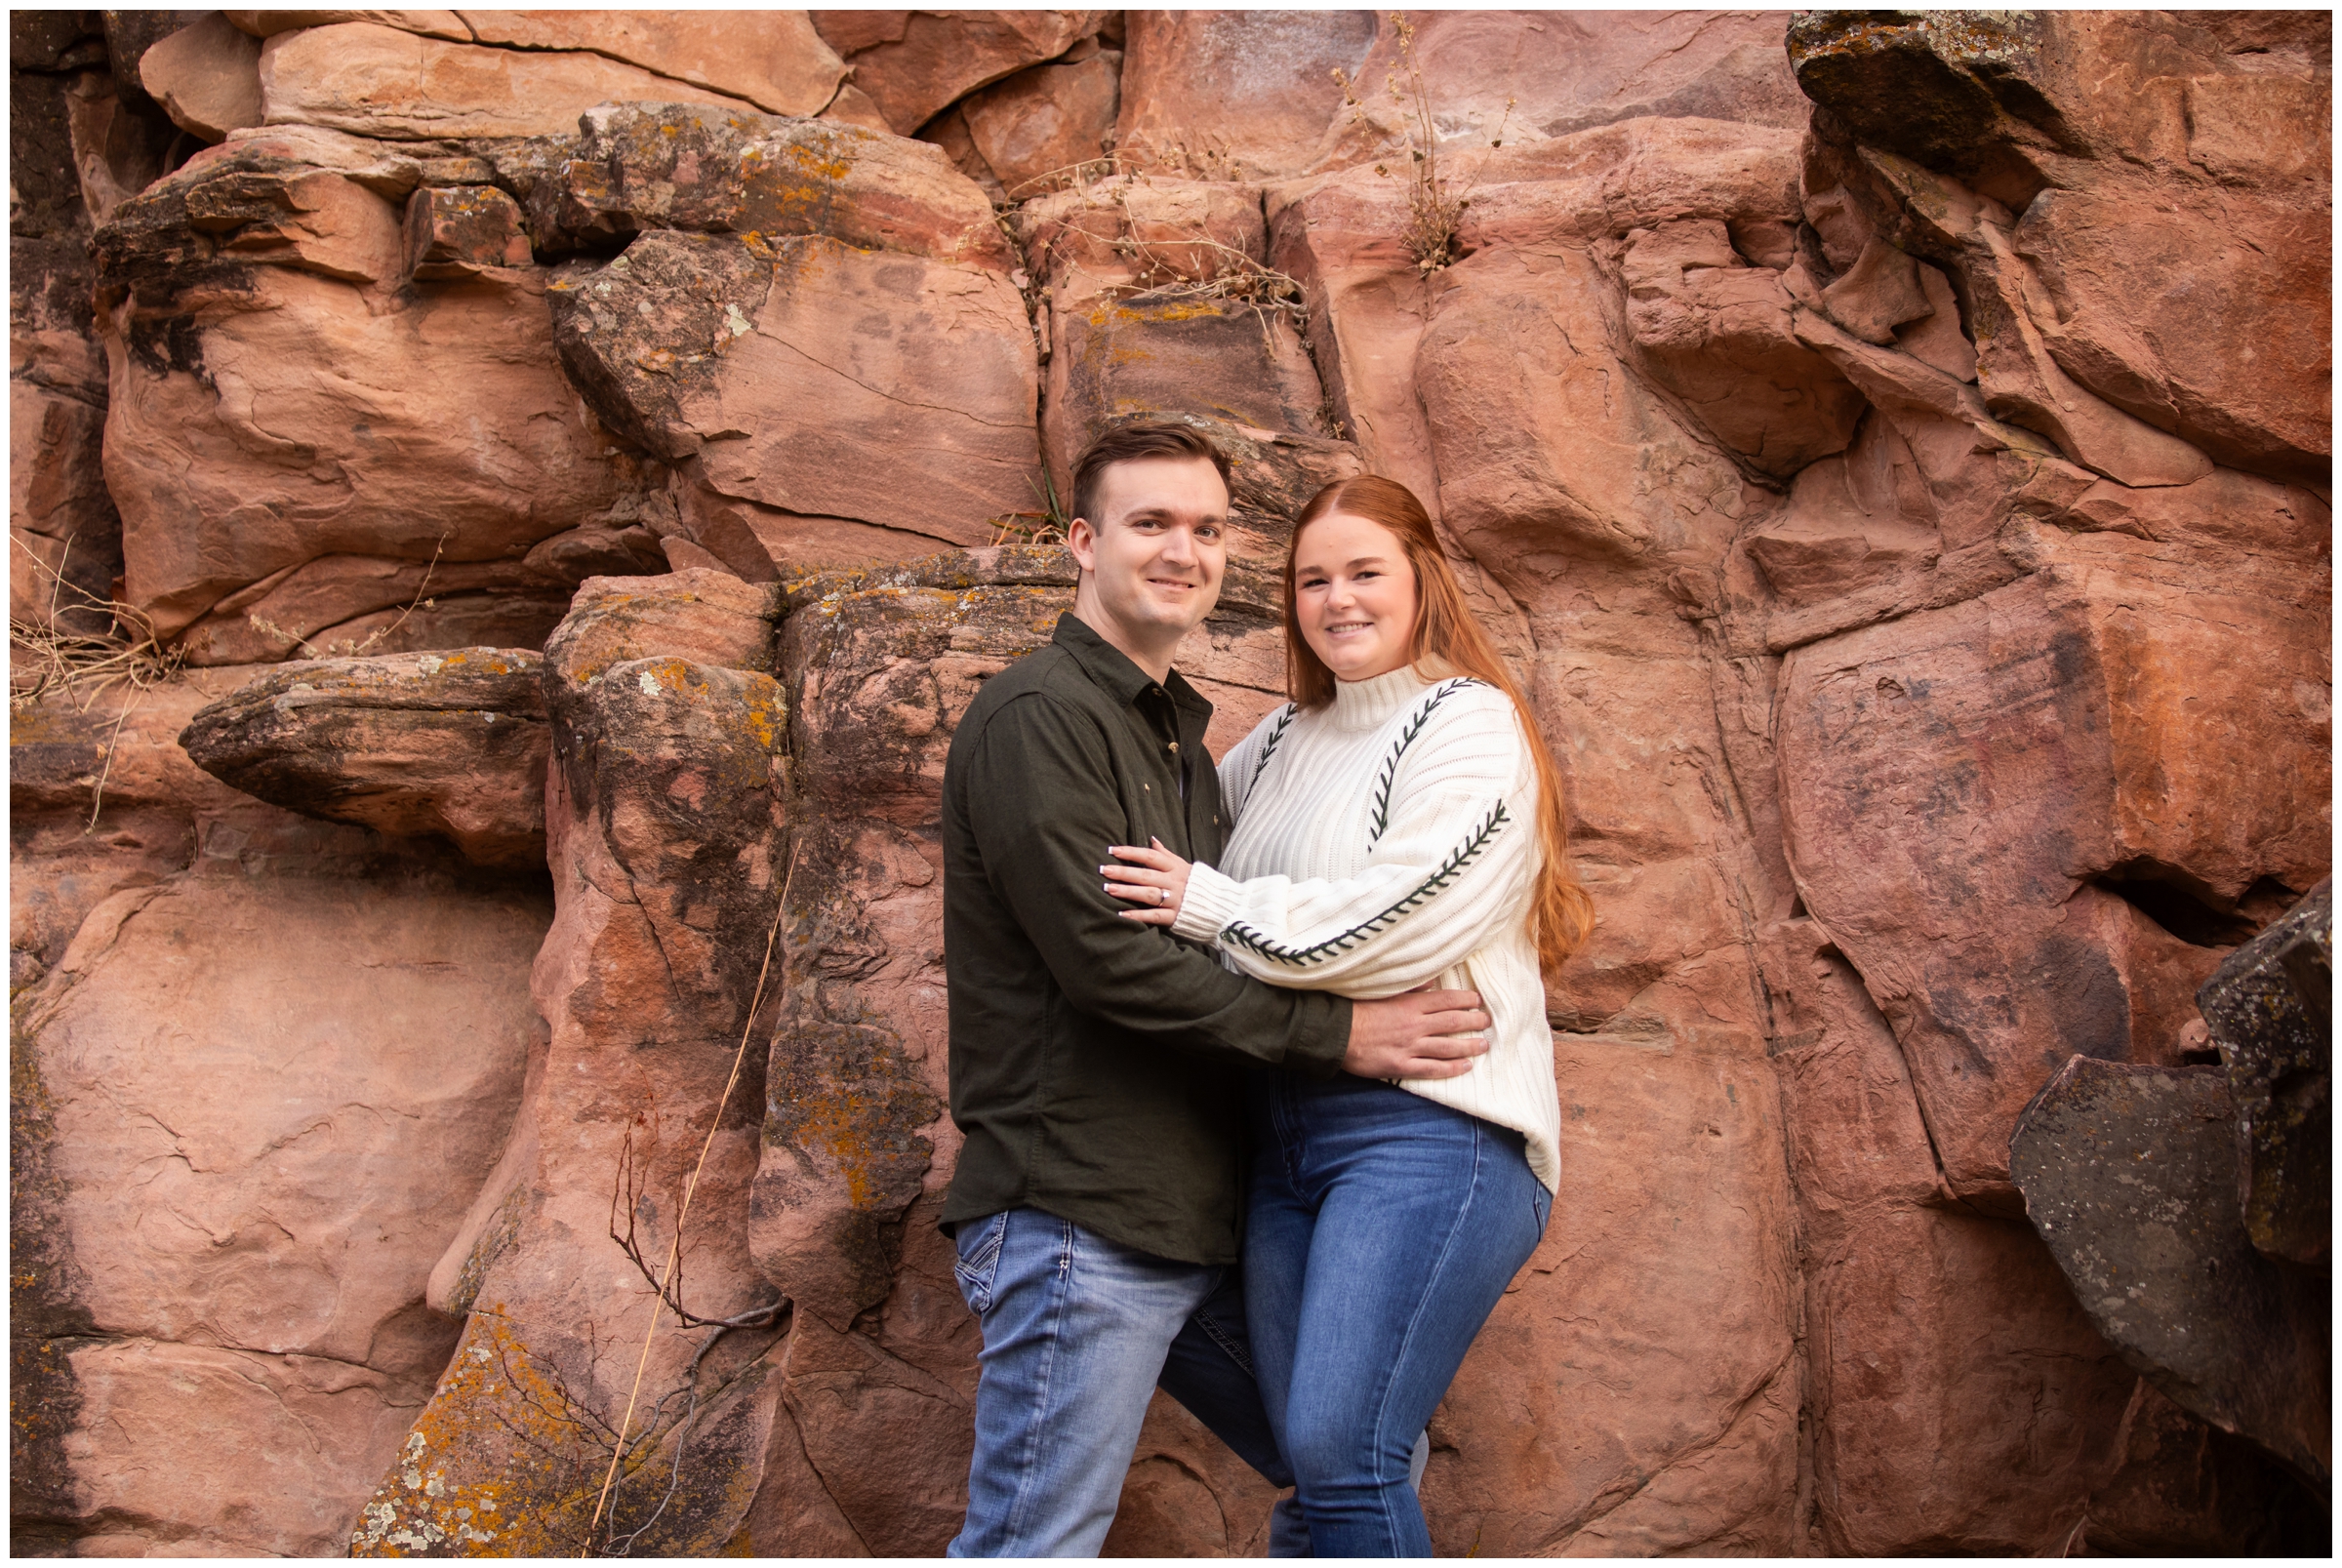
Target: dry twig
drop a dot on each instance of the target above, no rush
(674, 1251)
(83, 665)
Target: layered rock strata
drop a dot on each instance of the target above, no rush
(581, 464)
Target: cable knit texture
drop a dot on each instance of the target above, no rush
(1385, 840)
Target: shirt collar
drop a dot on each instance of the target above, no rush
(1113, 671)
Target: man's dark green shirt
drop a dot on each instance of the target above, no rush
(1097, 1063)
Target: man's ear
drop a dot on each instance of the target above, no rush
(1082, 539)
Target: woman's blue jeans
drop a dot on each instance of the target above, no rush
(1384, 1228)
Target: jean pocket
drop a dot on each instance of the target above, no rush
(978, 1261)
(1541, 1202)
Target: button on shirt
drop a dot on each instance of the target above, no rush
(1097, 1063)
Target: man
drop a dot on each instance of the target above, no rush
(1097, 1063)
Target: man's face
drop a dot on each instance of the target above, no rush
(1156, 550)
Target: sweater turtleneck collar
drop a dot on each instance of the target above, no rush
(1368, 704)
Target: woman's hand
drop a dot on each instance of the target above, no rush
(1153, 878)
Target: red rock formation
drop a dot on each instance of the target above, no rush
(1895, 452)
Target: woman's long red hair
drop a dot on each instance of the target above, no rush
(1449, 640)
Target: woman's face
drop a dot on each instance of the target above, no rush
(1354, 595)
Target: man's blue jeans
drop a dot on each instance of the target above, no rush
(1078, 1332)
(1384, 1228)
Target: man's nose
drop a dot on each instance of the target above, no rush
(1179, 547)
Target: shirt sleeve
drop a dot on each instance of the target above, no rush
(1453, 862)
(1042, 807)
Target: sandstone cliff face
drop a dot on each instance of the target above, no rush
(581, 465)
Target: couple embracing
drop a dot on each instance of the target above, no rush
(1252, 1061)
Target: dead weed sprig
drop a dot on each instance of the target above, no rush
(45, 660)
(45, 657)
(1434, 210)
(350, 648)
(1045, 527)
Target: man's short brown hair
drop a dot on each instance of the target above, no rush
(1148, 438)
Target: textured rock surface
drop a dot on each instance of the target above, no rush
(250, 1094)
(808, 384)
(665, 831)
(640, 166)
(1892, 447)
(381, 81)
(263, 416)
(775, 60)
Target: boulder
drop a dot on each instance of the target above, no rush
(2001, 99)
(2129, 1174)
(263, 417)
(774, 59)
(912, 64)
(1040, 127)
(1970, 94)
(1172, 350)
(779, 372)
(373, 80)
(2270, 1007)
(2196, 315)
(206, 77)
(259, 1104)
(461, 231)
(1144, 227)
(645, 166)
(449, 744)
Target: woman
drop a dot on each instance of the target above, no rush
(1398, 826)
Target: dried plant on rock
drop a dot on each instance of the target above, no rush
(1434, 210)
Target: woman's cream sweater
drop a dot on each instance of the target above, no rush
(1385, 840)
